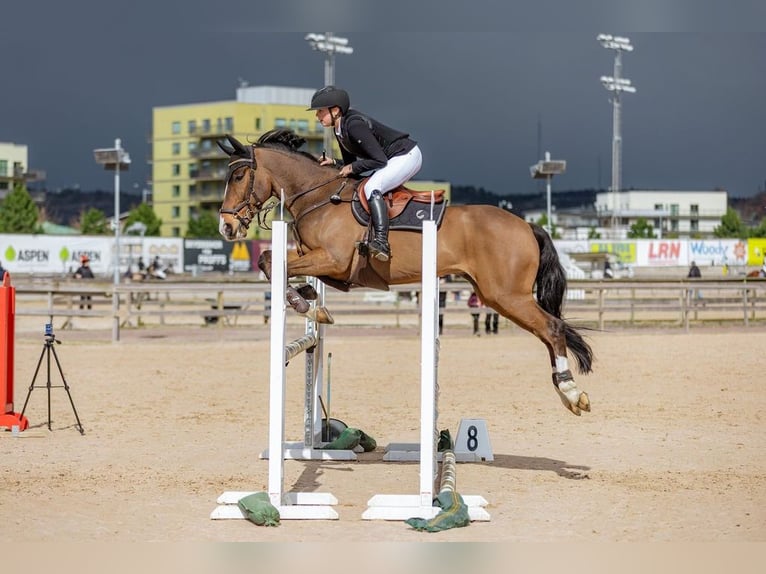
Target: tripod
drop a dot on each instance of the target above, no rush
(49, 348)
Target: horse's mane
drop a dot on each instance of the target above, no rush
(285, 139)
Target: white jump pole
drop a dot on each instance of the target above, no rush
(403, 506)
(293, 505)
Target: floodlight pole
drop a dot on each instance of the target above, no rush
(548, 195)
(616, 84)
(118, 148)
(547, 168)
(329, 45)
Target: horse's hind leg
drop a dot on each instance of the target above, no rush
(527, 314)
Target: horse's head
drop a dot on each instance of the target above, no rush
(247, 189)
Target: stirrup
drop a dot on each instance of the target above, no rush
(379, 250)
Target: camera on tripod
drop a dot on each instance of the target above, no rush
(50, 349)
(49, 336)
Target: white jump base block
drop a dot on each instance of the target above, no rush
(298, 506)
(299, 451)
(404, 506)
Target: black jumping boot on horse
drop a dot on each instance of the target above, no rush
(378, 246)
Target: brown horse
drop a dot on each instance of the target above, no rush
(501, 255)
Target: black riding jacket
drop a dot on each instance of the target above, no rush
(367, 144)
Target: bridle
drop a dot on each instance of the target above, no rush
(251, 203)
(253, 206)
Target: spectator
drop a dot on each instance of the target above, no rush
(442, 306)
(608, 273)
(473, 305)
(490, 322)
(84, 272)
(695, 273)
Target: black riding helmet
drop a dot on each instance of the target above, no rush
(328, 97)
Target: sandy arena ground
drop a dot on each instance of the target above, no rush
(673, 450)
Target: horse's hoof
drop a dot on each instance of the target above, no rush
(295, 301)
(320, 315)
(307, 292)
(572, 398)
(584, 402)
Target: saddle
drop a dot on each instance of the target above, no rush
(407, 208)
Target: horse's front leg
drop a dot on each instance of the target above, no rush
(297, 298)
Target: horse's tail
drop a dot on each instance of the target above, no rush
(551, 287)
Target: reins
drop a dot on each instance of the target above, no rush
(254, 207)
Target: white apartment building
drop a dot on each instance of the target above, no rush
(676, 213)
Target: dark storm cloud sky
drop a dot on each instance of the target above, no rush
(470, 81)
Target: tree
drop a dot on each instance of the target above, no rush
(204, 226)
(145, 214)
(759, 231)
(731, 226)
(93, 222)
(641, 229)
(543, 222)
(18, 212)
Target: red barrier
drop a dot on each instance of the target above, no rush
(8, 418)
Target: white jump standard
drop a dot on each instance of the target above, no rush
(404, 506)
(293, 505)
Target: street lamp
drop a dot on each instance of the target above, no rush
(546, 169)
(616, 84)
(329, 45)
(114, 159)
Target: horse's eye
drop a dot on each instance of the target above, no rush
(239, 176)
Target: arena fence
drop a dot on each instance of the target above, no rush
(600, 304)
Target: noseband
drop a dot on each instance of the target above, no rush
(251, 204)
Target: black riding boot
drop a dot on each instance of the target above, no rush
(379, 247)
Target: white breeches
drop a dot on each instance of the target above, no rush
(399, 169)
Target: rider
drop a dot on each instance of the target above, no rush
(368, 145)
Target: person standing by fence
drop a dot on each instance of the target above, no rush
(84, 272)
(695, 273)
(474, 304)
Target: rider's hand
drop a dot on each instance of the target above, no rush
(346, 171)
(327, 161)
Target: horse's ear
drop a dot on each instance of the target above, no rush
(237, 146)
(227, 149)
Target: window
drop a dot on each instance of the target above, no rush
(175, 127)
(3, 167)
(694, 209)
(657, 207)
(674, 210)
(192, 147)
(192, 126)
(694, 225)
(257, 124)
(206, 126)
(176, 147)
(176, 231)
(176, 169)
(192, 189)
(280, 123)
(193, 170)
(175, 212)
(176, 191)
(303, 126)
(229, 124)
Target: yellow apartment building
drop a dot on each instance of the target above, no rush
(188, 168)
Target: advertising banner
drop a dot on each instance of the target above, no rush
(202, 255)
(662, 253)
(710, 252)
